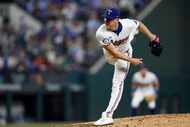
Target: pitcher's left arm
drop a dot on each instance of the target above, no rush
(156, 48)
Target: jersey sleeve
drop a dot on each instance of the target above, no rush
(154, 78)
(134, 24)
(104, 38)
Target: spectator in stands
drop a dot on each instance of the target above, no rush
(93, 23)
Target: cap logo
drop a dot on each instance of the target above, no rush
(109, 11)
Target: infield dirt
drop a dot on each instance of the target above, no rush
(165, 120)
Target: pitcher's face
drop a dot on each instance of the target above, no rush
(112, 25)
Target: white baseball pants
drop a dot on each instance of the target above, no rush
(121, 68)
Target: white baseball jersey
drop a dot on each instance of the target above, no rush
(148, 79)
(121, 40)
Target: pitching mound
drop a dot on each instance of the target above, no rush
(172, 120)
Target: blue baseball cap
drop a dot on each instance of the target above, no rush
(111, 14)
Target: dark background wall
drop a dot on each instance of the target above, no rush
(170, 21)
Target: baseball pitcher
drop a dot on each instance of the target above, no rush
(115, 37)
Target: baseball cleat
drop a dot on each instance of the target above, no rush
(103, 121)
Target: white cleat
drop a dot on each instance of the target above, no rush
(104, 121)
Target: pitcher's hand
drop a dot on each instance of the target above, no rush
(136, 61)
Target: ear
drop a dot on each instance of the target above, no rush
(117, 19)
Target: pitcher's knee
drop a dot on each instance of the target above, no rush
(122, 65)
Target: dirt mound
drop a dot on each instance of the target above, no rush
(166, 120)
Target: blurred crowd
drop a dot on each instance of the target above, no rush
(25, 56)
(66, 42)
(78, 9)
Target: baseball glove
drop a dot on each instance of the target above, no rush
(156, 47)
